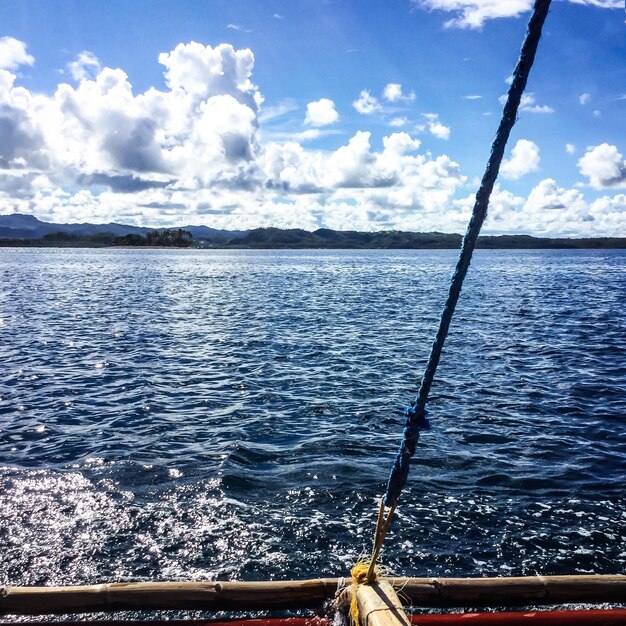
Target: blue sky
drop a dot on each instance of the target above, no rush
(357, 114)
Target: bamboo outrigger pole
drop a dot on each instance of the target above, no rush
(379, 605)
(272, 595)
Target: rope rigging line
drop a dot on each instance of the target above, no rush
(416, 414)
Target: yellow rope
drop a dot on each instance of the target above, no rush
(365, 572)
(360, 576)
(382, 526)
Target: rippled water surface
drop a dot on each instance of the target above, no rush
(234, 414)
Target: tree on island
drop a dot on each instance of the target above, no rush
(168, 237)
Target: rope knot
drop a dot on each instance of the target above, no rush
(416, 420)
(361, 574)
(415, 423)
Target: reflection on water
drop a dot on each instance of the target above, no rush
(213, 415)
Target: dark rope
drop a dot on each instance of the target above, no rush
(416, 413)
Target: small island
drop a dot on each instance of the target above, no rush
(166, 238)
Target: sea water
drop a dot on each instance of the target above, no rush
(214, 415)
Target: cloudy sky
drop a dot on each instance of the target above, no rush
(347, 114)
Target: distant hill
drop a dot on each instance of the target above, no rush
(395, 239)
(327, 238)
(20, 229)
(21, 226)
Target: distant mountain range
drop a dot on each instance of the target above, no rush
(20, 229)
(22, 226)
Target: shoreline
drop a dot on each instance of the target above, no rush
(570, 245)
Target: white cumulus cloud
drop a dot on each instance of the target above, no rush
(190, 152)
(436, 128)
(100, 150)
(524, 160)
(601, 4)
(398, 122)
(202, 71)
(528, 104)
(101, 134)
(393, 93)
(554, 211)
(408, 180)
(22, 142)
(366, 104)
(13, 54)
(321, 113)
(85, 66)
(604, 166)
(474, 13)
(548, 196)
